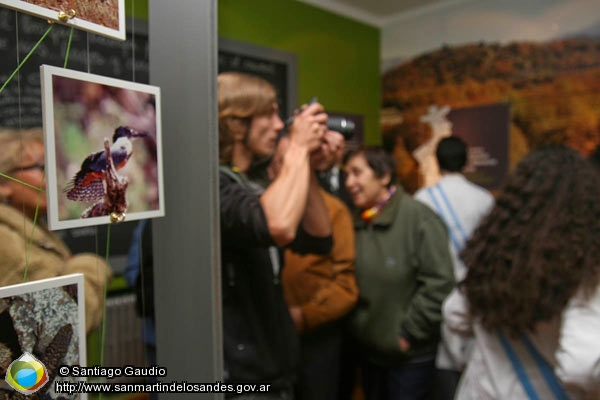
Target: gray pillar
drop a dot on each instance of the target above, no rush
(183, 62)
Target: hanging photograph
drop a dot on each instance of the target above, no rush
(42, 330)
(103, 149)
(106, 17)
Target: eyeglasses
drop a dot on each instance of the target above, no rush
(41, 167)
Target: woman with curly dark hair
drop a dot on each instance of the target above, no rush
(532, 295)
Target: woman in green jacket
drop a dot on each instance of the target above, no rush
(404, 273)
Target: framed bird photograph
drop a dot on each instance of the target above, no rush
(103, 149)
(104, 17)
(42, 335)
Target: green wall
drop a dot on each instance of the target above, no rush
(337, 58)
(139, 8)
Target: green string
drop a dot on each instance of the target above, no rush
(41, 191)
(68, 47)
(21, 182)
(37, 206)
(26, 58)
(103, 335)
(35, 217)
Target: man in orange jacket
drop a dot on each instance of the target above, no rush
(320, 289)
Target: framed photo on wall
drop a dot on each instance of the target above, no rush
(86, 117)
(106, 18)
(42, 330)
(275, 66)
(486, 130)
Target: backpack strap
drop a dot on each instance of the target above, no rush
(459, 238)
(545, 369)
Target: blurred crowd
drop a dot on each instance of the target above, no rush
(339, 283)
(446, 293)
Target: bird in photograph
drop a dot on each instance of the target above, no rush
(87, 185)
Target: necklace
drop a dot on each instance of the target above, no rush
(369, 214)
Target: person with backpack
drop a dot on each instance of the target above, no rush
(531, 296)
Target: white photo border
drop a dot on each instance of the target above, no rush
(78, 23)
(47, 72)
(52, 283)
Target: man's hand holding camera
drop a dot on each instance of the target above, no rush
(289, 199)
(309, 127)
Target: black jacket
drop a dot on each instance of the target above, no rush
(259, 338)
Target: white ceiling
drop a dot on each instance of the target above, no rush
(389, 16)
(380, 13)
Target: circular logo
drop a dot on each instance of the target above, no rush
(26, 374)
